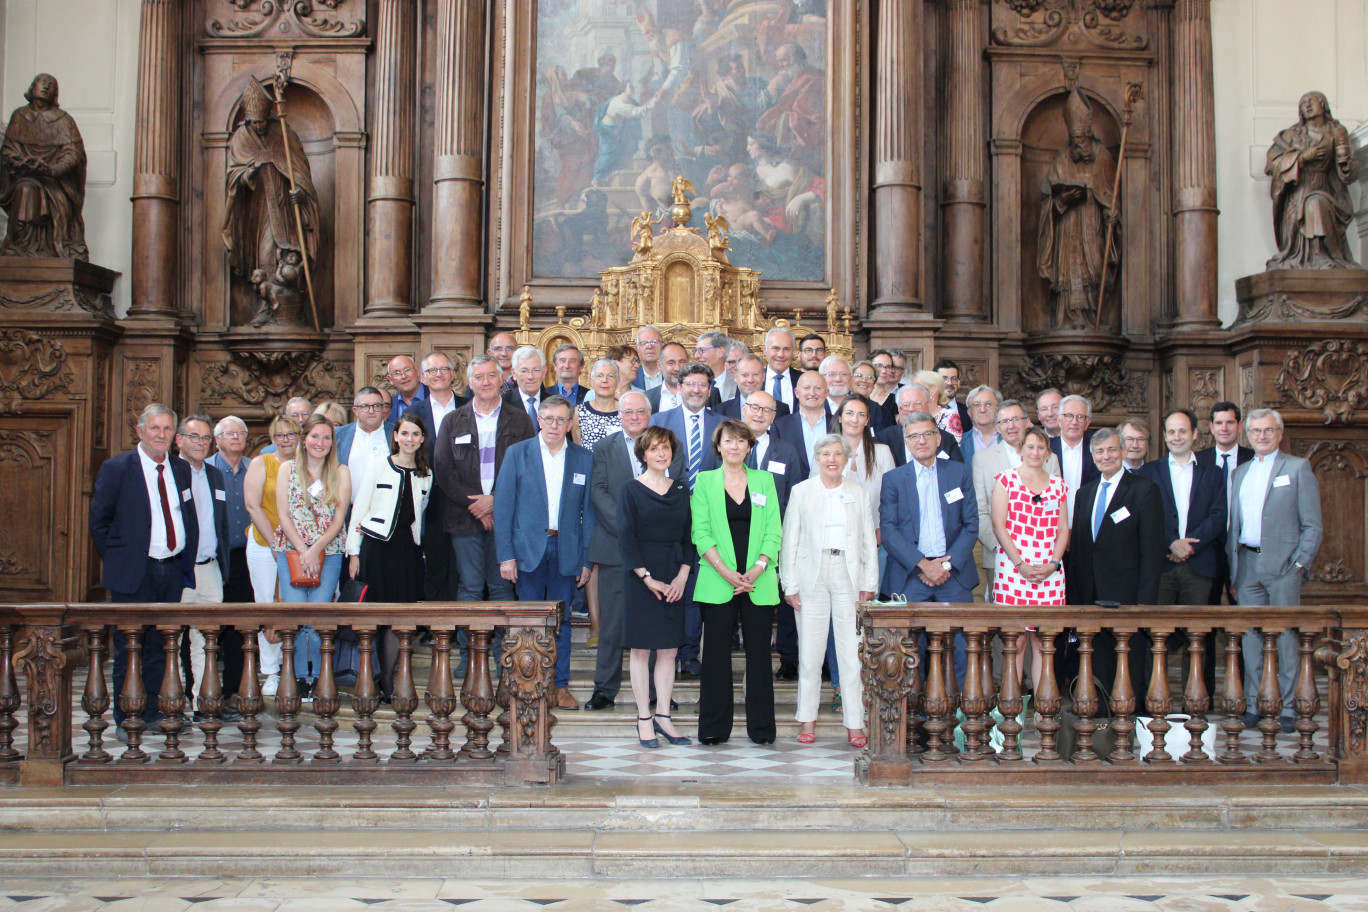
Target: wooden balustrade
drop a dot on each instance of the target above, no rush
(47, 642)
(915, 704)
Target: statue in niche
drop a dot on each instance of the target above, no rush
(260, 230)
(42, 178)
(1312, 165)
(1076, 207)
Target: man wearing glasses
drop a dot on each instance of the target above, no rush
(915, 398)
(501, 349)
(982, 432)
(811, 351)
(750, 377)
(408, 385)
(1011, 422)
(648, 344)
(1073, 445)
(367, 437)
(439, 569)
(712, 351)
(230, 438)
(1134, 443)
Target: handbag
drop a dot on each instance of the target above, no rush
(298, 578)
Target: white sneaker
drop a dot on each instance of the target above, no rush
(271, 686)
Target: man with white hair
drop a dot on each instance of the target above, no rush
(835, 370)
(981, 432)
(1073, 446)
(528, 369)
(439, 567)
(648, 344)
(230, 438)
(780, 374)
(712, 351)
(915, 397)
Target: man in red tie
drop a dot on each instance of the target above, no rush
(143, 523)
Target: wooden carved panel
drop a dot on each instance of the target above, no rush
(142, 385)
(1341, 468)
(290, 18)
(1205, 389)
(34, 472)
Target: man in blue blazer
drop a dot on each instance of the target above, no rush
(543, 520)
(803, 427)
(368, 435)
(928, 517)
(567, 363)
(915, 398)
(695, 382)
(143, 523)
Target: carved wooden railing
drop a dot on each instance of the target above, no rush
(913, 711)
(45, 644)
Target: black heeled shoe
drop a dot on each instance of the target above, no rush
(654, 742)
(676, 740)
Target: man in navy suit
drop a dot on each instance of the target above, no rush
(408, 386)
(750, 376)
(567, 362)
(543, 520)
(667, 395)
(803, 428)
(928, 517)
(1073, 446)
(981, 432)
(143, 523)
(649, 342)
(366, 438)
(781, 377)
(529, 368)
(915, 397)
(1227, 455)
(439, 565)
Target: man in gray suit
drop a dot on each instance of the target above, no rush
(1275, 532)
(988, 465)
(615, 464)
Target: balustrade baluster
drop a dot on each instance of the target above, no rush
(1270, 699)
(326, 701)
(973, 699)
(916, 694)
(404, 697)
(1232, 700)
(10, 698)
(94, 701)
(1009, 700)
(1157, 699)
(287, 700)
(939, 704)
(477, 696)
(1123, 700)
(1305, 700)
(365, 698)
(248, 698)
(440, 697)
(952, 693)
(171, 700)
(503, 696)
(1085, 700)
(990, 693)
(1196, 700)
(1047, 699)
(210, 702)
(133, 698)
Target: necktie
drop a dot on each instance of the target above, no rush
(778, 388)
(532, 412)
(1101, 509)
(166, 509)
(750, 459)
(695, 450)
(1225, 473)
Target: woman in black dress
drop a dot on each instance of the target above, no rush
(655, 539)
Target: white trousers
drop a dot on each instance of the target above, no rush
(208, 591)
(261, 566)
(829, 605)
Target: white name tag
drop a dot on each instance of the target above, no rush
(758, 499)
(578, 479)
(953, 495)
(185, 496)
(941, 455)
(777, 468)
(316, 488)
(1281, 481)
(847, 497)
(464, 438)
(221, 495)
(1118, 515)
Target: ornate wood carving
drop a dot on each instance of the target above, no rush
(890, 661)
(1048, 23)
(31, 367)
(1341, 468)
(1283, 307)
(1101, 379)
(142, 387)
(47, 656)
(528, 661)
(312, 18)
(269, 378)
(1329, 376)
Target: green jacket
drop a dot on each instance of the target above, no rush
(710, 529)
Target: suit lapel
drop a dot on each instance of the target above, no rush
(539, 481)
(1278, 462)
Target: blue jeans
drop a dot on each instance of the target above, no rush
(308, 654)
(477, 567)
(544, 583)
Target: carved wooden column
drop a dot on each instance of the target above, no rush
(156, 163)
(1194, 163)
(963, 192)
(391, 200)
(898, 141)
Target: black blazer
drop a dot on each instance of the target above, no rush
(423, 410)
(790, 430)
(1125, 562)
(1208, 456)
(776, 454)
(121, 520)
(732, 408)
(1090, 472)
(892, 437)
(1206, 513)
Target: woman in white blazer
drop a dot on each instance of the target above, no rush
(829, 562)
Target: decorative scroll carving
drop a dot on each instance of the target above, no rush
(59, 298)
(1100, 379)
(31, 367)
(10, 565)
(1291, 310)
(528, 662)
(1071, 22)
(1353, 664)
(270, 377)
(144, 379)
(890, 660)
(1329, 376)
(251, 18)
(46, 657)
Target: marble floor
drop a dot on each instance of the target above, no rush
(1068, 894)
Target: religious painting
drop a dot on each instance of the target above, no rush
(732, 94)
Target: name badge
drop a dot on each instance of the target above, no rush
(464, 438)
(316, 488)
(1281, 481)
(758, 499)
(777, 468)
(1118, 515)
(954, 495)
(221, 495)
(941, 455)
(185, 496)
(578, 479)
(847, 497)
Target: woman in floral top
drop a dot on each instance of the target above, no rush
(312, 494)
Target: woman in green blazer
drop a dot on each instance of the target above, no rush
(736, 528)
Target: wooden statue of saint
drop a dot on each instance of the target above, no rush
(1312, 165)
(1075, 208)
(260, 228)
(42, 178)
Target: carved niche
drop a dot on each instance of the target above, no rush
(1329, 376)
(311, 18)
(140, 390)
(31, 367)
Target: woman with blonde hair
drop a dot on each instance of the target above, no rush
(334, 412)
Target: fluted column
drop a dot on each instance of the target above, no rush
(390, 203)
(458, 213)
(1194, 162)
(897, 155)
(963, 195)
(156, 166)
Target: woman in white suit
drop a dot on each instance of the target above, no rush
(829, 563)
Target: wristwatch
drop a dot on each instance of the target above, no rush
(946, 565)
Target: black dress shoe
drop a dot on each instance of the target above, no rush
(712, 741)
(787, 673)
(599, 701)
(691, 669)
(1288, 724)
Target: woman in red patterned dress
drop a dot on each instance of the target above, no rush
(1031, 523)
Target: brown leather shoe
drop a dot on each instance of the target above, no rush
(565, 699)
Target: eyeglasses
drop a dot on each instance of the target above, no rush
(401, 371)
(1067, 417)
(1010, 420)
(372, 407)
(642, 343)
(233, 434)
(633, 413)
(982, 406)
(762, 409)
(439, 370)
(285, 437)
(503, 348)
(552, 420)
(923, 435)
(866, 378)
(1262, 432)
(690, 384)
(703, 350)
(1134, 441)
(197, 438)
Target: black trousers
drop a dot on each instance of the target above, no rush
(716, 690)
(786, 635)
(237, 589)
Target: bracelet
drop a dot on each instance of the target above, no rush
(763, 565)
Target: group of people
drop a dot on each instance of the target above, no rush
(685, 493)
